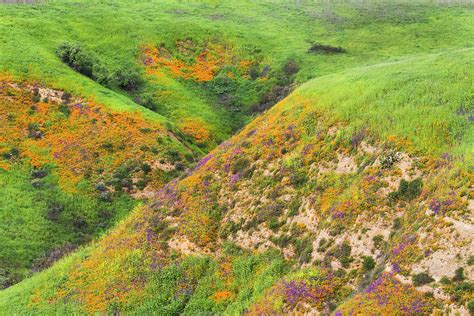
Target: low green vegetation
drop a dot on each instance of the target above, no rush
(352, 127)
(40, 223)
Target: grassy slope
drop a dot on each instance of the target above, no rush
(426, 99)
(114, 32)
(370, 33)
(192, 285)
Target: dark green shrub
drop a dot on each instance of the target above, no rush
(343, 253)
(64, 109)
(128, 78)
(39, 173)
(254, 71)
(298, 178)
(291, 67)
(407, 191)
(325, 49)
(294, 206)
(368, 263)
(306, 254)
(36, 95)
(445, 280)
(147, 100)
(34, 131)
(222, 84)
(422, 279)
(459, 275)
(11, 154)
(274, 224)
(470, 307)
(101, 74)
(73, 55)
(397, 223)
(470, 261)
(240, 164)
(54, 211)
(378, 241)
(146, 168)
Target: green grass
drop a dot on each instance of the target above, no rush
(426, 100)
(407, 73)
(29, 230)
(269, 31)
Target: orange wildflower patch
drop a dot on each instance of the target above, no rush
(79, 137)
(202, 67)
(115, 272)
(221, 296)
(196, 129)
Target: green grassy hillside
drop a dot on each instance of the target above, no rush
(312, 206)
(115, 33)
(352, 195)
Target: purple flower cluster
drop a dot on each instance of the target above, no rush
(374, 286)
(168, 196)
(399, 248)
(295, 291)
(435, 205)
(252, 132)
(269, 142)
(202, 163)
(235, 178)
(357, 138)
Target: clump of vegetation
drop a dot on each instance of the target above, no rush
(378, 241)
(127, 77)
(389, 160)
(459, 275)
(407, 190)
(422, 279)
(368, 263)
(318, 48)
(75, 56)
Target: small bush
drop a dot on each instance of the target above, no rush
(378, 241)
(128, 78)
(470, 261)
(34, 131)
(147, 100)
(11, 154)
(291, 67)
(39, 173)
(36, 95)
(274, 224)
(459, 275)
(407, 191)
(325, 49)
(470, 307)
(397, 223)
(389, 160)
(64, 109)
(298, 178)
(368, 263)
(73, 55)
(240, 165)
(54, 211)
(445, 280)
(422, 279)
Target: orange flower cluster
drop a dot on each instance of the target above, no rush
(203, 67)
(114, 272)
(79, 137)
(197, 129)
